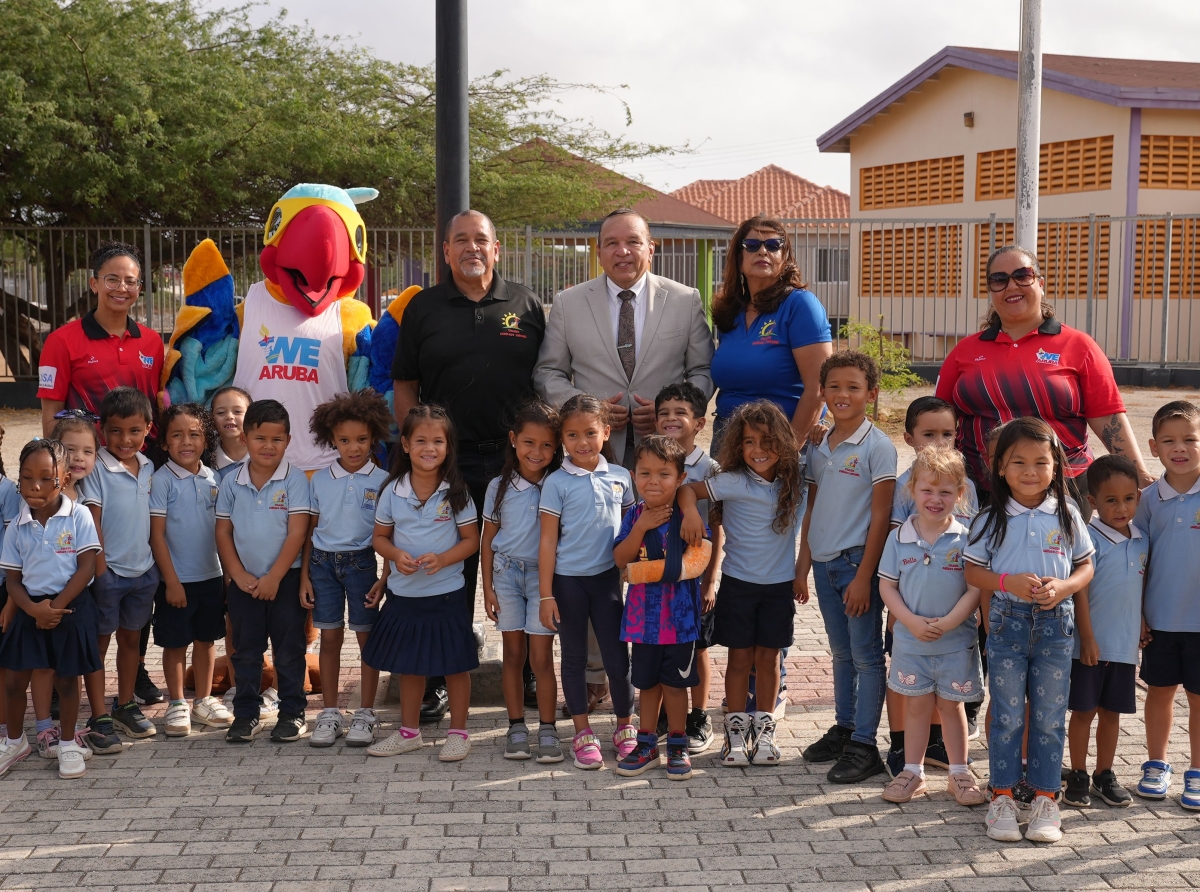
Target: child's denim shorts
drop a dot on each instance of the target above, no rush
(957, 675)
(518, 594)
(339, 578)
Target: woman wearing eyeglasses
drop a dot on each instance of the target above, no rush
(86, 358)
(772, 334)
(1026, 363)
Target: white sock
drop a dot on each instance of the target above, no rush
(959, 769)
(918, 770)
(14, 742)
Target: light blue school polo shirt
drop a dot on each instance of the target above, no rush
(48, 556)
(1171, 520)
(10, 510)
(519, 518)
(260, 516)
(189, 503)
(1115, 593)
(124, 502)
(931, 581)
(588, 505)
(846, 479)
(1033, 543)
(419, 529)
(904, 505)
(754, 551)
(345, 506)
(698, 467)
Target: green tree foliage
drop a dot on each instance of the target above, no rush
(171, 112)
(895, 373)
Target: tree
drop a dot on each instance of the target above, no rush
(895, 373)
(167, 112)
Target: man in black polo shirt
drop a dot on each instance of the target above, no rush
(470, 345)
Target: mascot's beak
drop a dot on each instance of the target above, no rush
(312, 263)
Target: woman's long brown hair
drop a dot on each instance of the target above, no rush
(778, 437)
(734, 295)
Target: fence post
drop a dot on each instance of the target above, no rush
(1091, 268)
(148, 274)
(528, 257)
(1166, 292)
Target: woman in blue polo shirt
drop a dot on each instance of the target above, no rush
(772, 334)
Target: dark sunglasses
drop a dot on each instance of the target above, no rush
(773, 245)
(82, 414)
(999, 281)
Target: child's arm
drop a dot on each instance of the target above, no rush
(1089, 650)
(487, 554)
(85, 569)
(44, 613)
(804, 558)
(627, 550)
(547, 552)
(1051, 592)
(307, 599)
(101, 563)
(166, 567)
(708, 582)
(922, 628)
(985, 607)
(468, 544)
(227, 551)
(959, 613)
(1019, 584)
(858, 593)
(692, 528)
(297, 531)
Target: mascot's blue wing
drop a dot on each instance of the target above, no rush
(202, 350)
(383, 351)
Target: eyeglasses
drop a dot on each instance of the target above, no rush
(114, 283)
(82, 414)
(773, 245)
(1023, 277)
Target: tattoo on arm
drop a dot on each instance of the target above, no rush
(1112, 437)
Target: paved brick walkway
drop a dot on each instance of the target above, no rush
(199, 814)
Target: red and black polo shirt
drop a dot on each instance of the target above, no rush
(1055, 373)
(81, 362)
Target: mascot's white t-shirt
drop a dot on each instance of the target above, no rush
(296, 359)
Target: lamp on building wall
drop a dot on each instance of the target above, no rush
(968, 119)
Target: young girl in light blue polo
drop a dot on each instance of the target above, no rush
(511, 593)
(1030, 548)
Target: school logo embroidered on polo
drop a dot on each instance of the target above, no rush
(370, 498)
(510, 326)
(618, 489)
(213, 491)
(1142, 570)
(766, 333)
(1196, 521)
(953, 559)
(850, 466)
(65, 543)
(443, 512)
(1048, 358)
(1054, 543)
(279, 501)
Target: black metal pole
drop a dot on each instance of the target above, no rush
(452, 140)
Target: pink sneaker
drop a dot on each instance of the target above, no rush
(587, 751)
(625, 740)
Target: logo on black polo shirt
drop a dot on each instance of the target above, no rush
(290, 359)
(510, 326)
(1048, 358)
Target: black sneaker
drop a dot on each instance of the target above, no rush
(243, 730)
(1077, 789)
(144, 690)
(531, 692)
(1107, 787)
(857, 762)
(662, 728)
(699, 731)
(288, 728)
(828, 748)
(436, 703)
(101, 737)
(130, 721)
(936, 755)
(894, 763)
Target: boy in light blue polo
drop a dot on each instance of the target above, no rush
(1108, 622)
(262, 522)
(118, 494)
(1169, 515)
(852, 481)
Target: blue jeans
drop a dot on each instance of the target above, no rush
(339, 578)
(1029, 656)
(856, 642)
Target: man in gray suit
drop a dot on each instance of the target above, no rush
(625, 335)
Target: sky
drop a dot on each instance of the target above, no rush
(743, 84)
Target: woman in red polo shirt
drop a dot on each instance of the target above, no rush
(1027, 363)
(85, 359)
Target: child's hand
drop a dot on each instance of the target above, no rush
(858, 597)
(923, 628)
(431, 562)
(800, 589)
(376, 593)
(548, 614)
(1147, 636)
(941, 625)
(176, 596)
(307, 596)
(1022, 585)
(692, 528)
(708, 597)
(1089, 651)
(1050, 592)
(7, 614)
(490, 605)
(267, 588)
(46, 615)
(405, 563)
(246, 582)
(653, 518)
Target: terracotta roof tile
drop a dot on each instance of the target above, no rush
(771, 190)
(1145, 73)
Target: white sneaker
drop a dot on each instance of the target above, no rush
(227, 699)
(455, 748)
(1044, 822)
(72, 759)
(362, 727)
(765, 750)
(1002, 820)
(179, 720)
(270, 704)
(14, 752)
(211, 712)
(733, 752)
(396, 745)
(328, 729)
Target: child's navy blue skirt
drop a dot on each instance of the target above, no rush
(70, 649)
(423, 636)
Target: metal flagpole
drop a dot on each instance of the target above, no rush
(1029, 122)
(452, 139)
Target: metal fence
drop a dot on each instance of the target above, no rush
(1130, 282)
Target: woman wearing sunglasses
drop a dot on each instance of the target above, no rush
(1026, 363)
(772, 334)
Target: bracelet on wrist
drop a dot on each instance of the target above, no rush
(1003, 576)
(545, 599)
